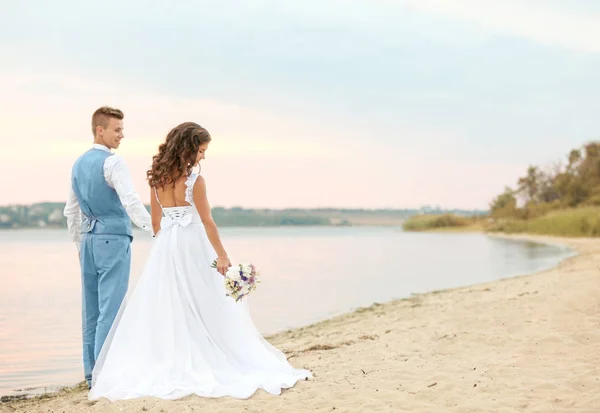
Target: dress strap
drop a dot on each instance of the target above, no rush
(158, 200)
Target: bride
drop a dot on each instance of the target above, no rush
(179, 334)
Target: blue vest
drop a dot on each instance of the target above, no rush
(102, 210)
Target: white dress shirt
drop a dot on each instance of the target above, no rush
(117, 176)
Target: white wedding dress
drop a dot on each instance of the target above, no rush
(179, 334)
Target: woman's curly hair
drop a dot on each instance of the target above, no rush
(177, 155)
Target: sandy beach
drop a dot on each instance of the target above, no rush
(525, 344)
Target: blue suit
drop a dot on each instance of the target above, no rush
(105, 254)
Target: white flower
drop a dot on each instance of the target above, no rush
(233, 273)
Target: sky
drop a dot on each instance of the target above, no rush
(353, 104)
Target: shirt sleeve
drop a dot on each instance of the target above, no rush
(72, 212)
(117, 176)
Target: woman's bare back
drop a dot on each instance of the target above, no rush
(173, 196)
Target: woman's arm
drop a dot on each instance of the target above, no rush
(155, 212)
(203, 208)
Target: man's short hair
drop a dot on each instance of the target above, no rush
(101, 117)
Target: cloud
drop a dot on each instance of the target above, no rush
(380, 103)
(566, 27)
(49, 115)
(257, 157)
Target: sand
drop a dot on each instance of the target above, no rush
(525, 344)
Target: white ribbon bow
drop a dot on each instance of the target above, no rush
(168, 222)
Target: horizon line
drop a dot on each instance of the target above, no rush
(424, 206)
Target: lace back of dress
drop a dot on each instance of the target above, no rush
(178, 212)
(189, 189)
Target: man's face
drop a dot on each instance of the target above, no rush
(112, 134)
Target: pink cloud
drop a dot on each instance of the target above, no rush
(257, 159)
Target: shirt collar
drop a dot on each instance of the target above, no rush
(101, 147)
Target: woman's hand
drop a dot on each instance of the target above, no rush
(223, 265)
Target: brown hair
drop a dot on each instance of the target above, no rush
(177, 155)
(102, 116)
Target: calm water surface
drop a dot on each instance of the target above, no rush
(308, 274)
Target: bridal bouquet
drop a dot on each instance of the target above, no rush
(240, 280)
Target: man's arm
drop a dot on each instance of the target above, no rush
(73, 213)
(117, 176)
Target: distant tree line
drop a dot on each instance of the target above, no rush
(51, 215)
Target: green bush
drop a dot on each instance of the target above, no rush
(428, 222)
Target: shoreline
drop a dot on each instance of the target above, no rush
(345, 350)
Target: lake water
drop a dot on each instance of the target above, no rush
(308, 274)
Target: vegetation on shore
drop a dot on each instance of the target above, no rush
(574, 222)
(447, 222)
(562, 199)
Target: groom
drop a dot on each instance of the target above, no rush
(102, 203)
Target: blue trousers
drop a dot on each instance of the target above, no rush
(105, 263)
